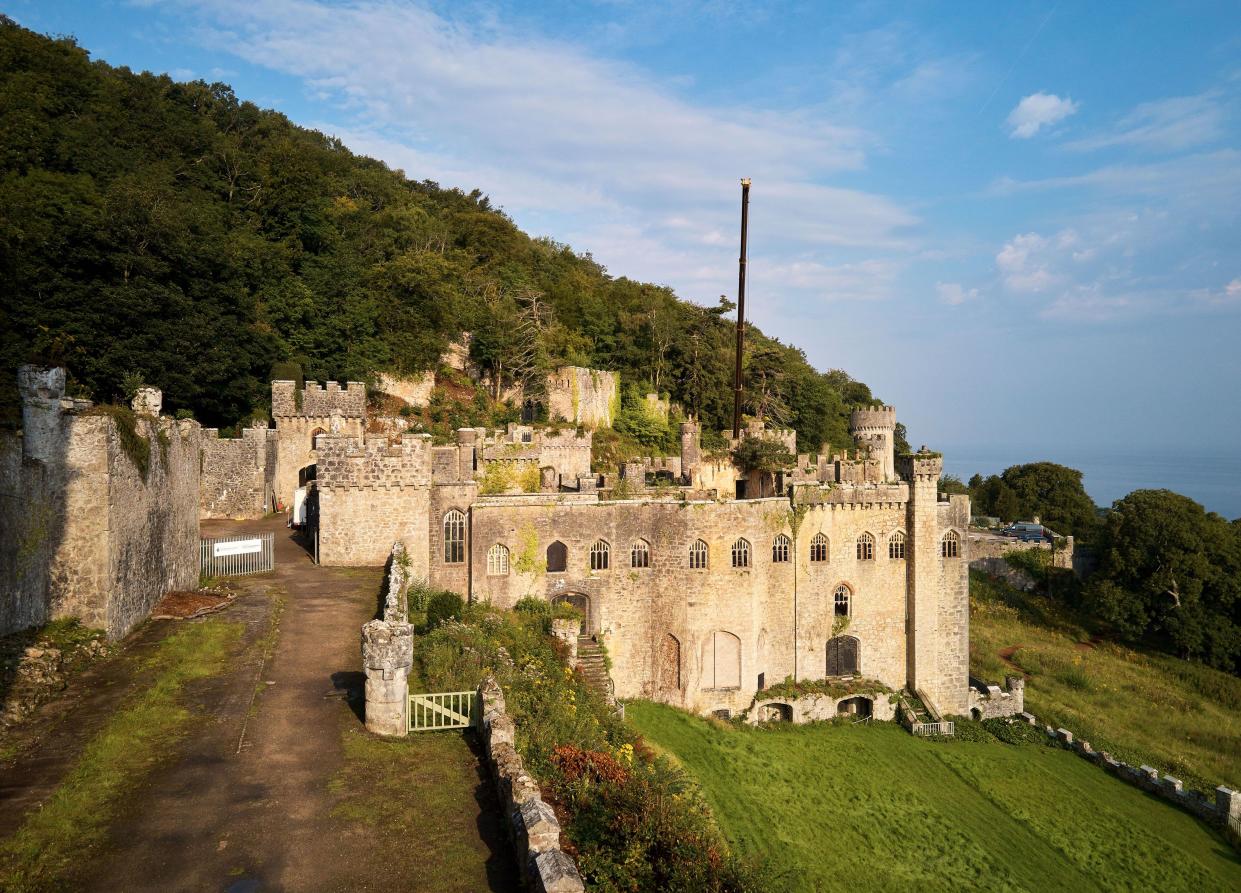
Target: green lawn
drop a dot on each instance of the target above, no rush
(1180, 717)
(870, 807)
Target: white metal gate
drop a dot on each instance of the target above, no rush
(443, 710)
(235, 556)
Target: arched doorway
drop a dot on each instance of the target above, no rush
(670, 664)
(859, 707)
(843, 657)
(582, 604)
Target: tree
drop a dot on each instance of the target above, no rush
(763, 454)
(1170, 574)
(1055, 494)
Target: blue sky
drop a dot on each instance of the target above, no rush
(1018, 222)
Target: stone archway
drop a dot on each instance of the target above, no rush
(581, 602)
(857, 706)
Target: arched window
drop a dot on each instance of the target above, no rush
(842, 599)
(780, 549)
(314, 438)
(842, 656)
(951, 545)
(600, 556)
(721, 661)
(557, 557)
(497, 561)
(818, 548)
(454, 537)
(698, 554)
(896, 545)
(741, 553)
(866, 547)
(640, 554)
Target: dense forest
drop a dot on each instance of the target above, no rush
(172, 233)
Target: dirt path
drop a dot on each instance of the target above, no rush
(249, 803)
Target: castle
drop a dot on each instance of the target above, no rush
(707, 582)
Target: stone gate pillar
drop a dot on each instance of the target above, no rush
(387, 654)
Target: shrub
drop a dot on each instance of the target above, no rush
(443, 606)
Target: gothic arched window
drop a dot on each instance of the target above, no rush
(842, 599)
(818, 548)
(557, 557)
(780, 549)
(951, 545)
(896, 545)
(454, 537)
(865, 547)
(741, 553)
(497, 561)
(698, 555)
(640, 554)
(600, 556)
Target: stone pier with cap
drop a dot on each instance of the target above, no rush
(387, 655)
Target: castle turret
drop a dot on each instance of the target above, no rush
(41, 389)
(691, 450)
(876, 428)
(922, 471)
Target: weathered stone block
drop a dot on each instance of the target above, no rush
(535, 827)
(387, 654)
(554, 872)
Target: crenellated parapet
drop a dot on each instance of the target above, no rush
(397, 462)
(848, 496)
(921, 466)
(318, 401)
(874, 427)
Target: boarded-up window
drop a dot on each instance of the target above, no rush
(721, 664)
(670, 664)
(842, 656)
(557, 557)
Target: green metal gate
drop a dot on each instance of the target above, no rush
(443, 710)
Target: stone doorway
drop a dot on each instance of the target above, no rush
(582, 603)
(860, 707)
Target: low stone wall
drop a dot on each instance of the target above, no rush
(1222, 811)
(993, 702)
(988, 545)
(533, 826)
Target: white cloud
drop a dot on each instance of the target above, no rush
(954, 293)
(1024, 263)
(1036, 111)
(1174, 124)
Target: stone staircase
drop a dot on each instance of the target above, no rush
(591, 665)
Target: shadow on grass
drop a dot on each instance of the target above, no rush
(352, 684)
(492, 828)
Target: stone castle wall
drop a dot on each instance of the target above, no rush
(84, 533)
(302, 415)
(581, 396)
(371, 494)
(238, 474)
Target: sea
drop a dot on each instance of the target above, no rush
(1212, 479)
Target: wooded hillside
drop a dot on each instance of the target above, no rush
(172, 232)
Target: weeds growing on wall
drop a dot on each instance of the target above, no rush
(631, 819)
(135, 447)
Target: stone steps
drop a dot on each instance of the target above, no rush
(591, 665)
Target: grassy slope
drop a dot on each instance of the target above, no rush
(870, 807)
(1182, 718)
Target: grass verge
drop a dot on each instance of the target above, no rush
(53, 843)
(1144, 708)
(871, 807)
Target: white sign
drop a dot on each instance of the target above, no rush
(237, 547)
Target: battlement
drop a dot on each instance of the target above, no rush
(318, 401)
(922, 465)
(881, 417)
(374, 463)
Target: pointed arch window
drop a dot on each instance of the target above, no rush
(699, 555)
(600, 556)
(454, 537)
(818, 548)
(741, 553)
(640, 554)
(497, 561)
(843, 599)
(557, 557)
(866, 547)
(950, 547)
(896, 545)
(780, 549)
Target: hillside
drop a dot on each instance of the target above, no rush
(174, 233)
(1143, 707)
(873, 808)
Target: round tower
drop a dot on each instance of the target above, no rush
(876, 428)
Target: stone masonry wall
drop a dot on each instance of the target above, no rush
(237, 473)
(660, 623)
(301, 415)
(371, 494)
(581, 396)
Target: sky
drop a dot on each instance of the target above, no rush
(1019, 222)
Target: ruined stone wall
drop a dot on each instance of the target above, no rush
(84, 534)
(237, 473)
(581, 396)
(371, 494)
(152, 523)
(985, 545)
(649, 615)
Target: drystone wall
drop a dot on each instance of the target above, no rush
(985, 545)
(238, 474)
(993, 702)
(533, 827)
